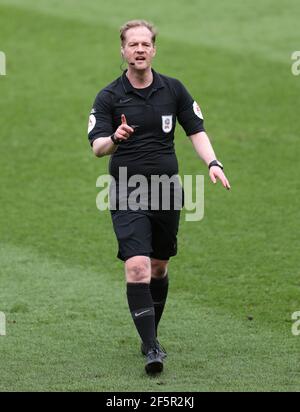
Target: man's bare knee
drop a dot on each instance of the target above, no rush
(159, 268)
(138, 269)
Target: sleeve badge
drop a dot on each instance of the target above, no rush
(92, 123)
(197, 110)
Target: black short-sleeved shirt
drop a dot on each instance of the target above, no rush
(150, 149)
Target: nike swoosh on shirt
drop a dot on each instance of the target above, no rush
(138, 314)
(125, 100)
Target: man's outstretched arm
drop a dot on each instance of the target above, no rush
(205, 150)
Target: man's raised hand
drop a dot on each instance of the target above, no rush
(124, 131)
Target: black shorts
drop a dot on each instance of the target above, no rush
(150, 233)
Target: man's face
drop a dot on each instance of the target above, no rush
(138, 49)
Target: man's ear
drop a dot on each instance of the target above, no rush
(122, 52)
(154, 51)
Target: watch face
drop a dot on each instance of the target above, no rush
(216, 163)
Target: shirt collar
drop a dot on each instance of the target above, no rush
(157, 82)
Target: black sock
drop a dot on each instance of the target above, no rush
(159, 292)
(142, 311)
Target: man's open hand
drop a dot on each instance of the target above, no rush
(215, 172)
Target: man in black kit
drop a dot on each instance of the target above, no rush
(133, 120)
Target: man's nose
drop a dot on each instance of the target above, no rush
(140, 48)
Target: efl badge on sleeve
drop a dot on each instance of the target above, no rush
(92, 123)
(197, 110)
(167, 123)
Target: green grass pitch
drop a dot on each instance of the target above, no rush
(235, 282)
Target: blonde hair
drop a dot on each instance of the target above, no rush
(137, 23)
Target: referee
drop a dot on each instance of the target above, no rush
(133, 120)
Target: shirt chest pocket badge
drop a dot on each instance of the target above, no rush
(167, 123)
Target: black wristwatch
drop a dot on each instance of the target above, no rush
(114, 140)
(215, 163)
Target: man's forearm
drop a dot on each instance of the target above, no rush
(103, 146)
(203, 147)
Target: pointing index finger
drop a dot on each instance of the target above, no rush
(123, 119)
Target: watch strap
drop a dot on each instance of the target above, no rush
(215, 163)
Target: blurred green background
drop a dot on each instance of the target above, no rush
(235, 281)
